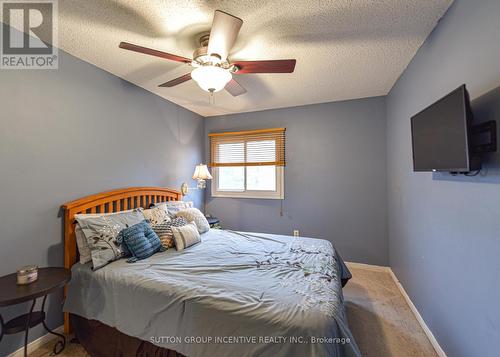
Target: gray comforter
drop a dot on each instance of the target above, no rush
(234, 294)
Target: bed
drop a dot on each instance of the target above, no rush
(233, 294)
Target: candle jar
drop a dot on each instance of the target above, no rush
(27, 274)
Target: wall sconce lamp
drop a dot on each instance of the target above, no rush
(201, 174)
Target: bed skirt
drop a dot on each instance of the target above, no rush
(101, 340)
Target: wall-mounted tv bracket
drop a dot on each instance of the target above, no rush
(479, 132)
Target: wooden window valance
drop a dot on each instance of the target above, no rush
(248, 148)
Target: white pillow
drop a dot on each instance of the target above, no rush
(83, 246)
(195, 215)
(186, 236)
(157, 215)
(175, 206)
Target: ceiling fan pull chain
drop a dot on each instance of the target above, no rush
(211, 97)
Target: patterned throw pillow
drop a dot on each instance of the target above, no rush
(141, 241)
(81, 241)
(157, 215)
(164, 231)
(195, 215)
(186, 236)
(101, 232)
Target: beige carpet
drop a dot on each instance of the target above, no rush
(381, 321)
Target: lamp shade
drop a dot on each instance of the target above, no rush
(201, 173)
(211, 78)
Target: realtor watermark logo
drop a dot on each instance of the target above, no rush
(29, 34)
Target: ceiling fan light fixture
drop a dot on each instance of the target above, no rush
(211, 78)
(213, 71)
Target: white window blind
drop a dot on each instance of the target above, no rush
(265, 147)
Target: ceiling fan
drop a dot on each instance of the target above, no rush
(213, 71)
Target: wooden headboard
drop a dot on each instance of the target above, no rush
(107, 202)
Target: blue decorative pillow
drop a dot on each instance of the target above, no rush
(141, 241)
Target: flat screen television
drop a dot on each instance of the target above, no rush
(441, 135)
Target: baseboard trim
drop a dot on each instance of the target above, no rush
(412, 306)
(39, 342)
(368, 266)
(419, 318)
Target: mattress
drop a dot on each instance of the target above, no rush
(233, 294)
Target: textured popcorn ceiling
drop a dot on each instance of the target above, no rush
(345, 49)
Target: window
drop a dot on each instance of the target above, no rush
(248, 164)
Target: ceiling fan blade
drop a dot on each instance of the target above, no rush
(176, 81)
(150, 51)
(271, 66)
(225, 28)
(234, 88)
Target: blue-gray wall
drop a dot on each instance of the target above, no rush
(335, 178)
(444, 233)
(72, 132)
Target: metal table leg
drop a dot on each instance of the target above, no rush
(28, 322)
(61, 343)
(1, 326)
(25, 322)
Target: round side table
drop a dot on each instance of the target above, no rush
(49, 280)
